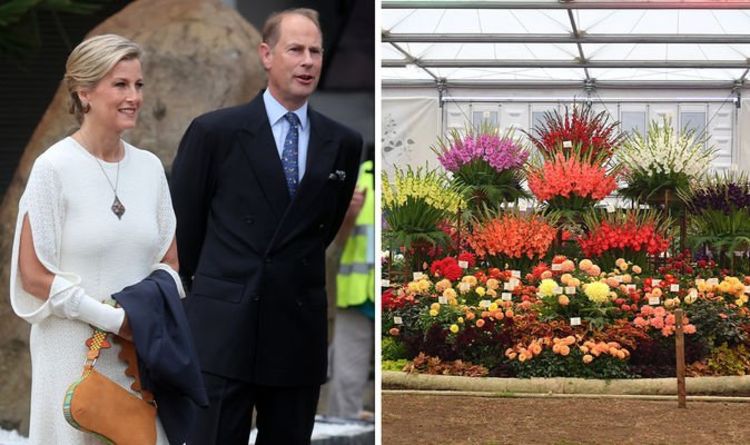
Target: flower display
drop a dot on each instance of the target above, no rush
(499, 152)
(633, 235)
(720, 215)
(414, 207)
(570, 182)
(663, 161)
(597, 292)
(512, 236)
(576, 130)
(486, 165)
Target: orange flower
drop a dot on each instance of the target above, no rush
(565, 177)
(513, 236)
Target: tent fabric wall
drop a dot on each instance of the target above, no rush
(411, 126)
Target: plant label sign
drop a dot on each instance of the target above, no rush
(630, 287)
(712, 281)
(417, 276)
(570, 290)
(655, 282)
(558, 290)
(506, 296)
(674, 288)
(654, 301)
(515, 273)
(398, 320)
(575, 321)
(747, 289)
(485, 304)
(463, 264)
(509, 286)
(567, 144)
(442, 299)
(385, 283)
(556, 267)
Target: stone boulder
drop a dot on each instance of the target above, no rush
(200, 55)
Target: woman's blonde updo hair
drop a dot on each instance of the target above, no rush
(90, 61)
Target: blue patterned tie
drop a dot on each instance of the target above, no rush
(289, 154)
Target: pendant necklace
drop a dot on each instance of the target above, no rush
(117, 206)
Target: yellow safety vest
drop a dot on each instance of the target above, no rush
(355, 281)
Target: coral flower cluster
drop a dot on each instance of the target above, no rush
(658, 318)
(513, 236)
(628, 236)
(566, 177)
(591, 349)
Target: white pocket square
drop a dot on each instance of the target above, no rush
(339, 175)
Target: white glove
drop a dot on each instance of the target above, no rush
(72, 302)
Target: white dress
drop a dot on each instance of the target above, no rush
(77, 237)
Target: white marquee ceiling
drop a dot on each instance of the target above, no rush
(517, 41)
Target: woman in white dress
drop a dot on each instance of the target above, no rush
(95, 217)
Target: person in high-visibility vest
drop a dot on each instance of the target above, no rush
(354, 325)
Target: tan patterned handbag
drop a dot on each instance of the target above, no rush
(97, 405)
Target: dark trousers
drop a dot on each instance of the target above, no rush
(285, 415)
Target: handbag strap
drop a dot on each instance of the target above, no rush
(97, 341)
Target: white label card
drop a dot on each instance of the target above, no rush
(654, 301)
(575, 321)
(515, 273)
(610, 208)
(570, 290)
(418, 276)
(747, 289)
(443, 300)
(485, 303)
(385, 283)
(507, 296)
(630, 287)
(558, 290)
(674, 288)
(463, 264)
(567, 144)
(712, 281)
(508, 286)
(655, 282)
(556, 267)
(398, 320)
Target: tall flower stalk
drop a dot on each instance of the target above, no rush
(486, 165)
(720, 218)
(414, 206)
(577, 131)
(663, 161)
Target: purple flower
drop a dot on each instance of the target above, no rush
(501, 153)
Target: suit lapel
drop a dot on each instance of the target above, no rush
(259, 146)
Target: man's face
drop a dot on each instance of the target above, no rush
(293, 63)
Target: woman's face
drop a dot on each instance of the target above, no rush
(116, 99)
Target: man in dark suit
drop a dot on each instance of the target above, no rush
(260, 191)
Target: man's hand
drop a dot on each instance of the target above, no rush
(356, 204)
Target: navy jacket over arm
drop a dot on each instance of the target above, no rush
(167, 360)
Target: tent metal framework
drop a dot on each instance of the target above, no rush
(574, 43)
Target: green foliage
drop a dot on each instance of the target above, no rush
(393, 349)
(394, 365)
(19, 28)
(549, 364)
(716, 322)
(727, 360)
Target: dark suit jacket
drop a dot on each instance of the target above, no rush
(253, 259)
(166, 357)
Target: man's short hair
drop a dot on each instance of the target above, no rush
(271, 27)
